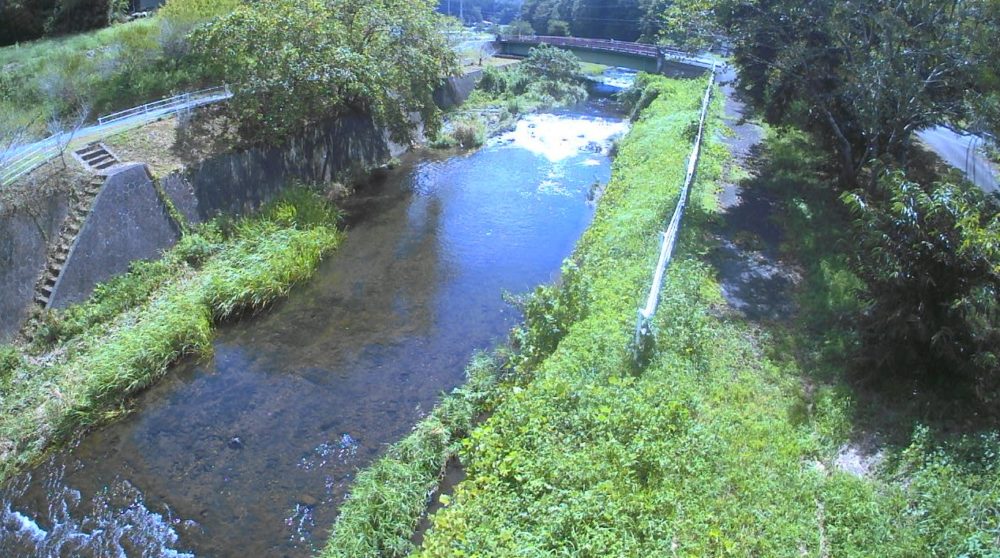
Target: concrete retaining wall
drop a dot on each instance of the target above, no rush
(24, 237)
(128, 222)
(455, 90)
(239, 182)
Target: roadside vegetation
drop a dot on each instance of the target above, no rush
(81, 365)
(288, 63)
(48, 84)
(547, 78)
(727, 443)
(926, 247)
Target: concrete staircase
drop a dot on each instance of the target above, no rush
(96, 158)
(59, 252)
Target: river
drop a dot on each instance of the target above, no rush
(249, 452)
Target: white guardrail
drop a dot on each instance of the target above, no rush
(21, 160)
(644, 325)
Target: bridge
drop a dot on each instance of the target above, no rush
(637, 56)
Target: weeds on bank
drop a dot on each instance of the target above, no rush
(85, 362)
(939, 478)
(546, 79)
(723, 445)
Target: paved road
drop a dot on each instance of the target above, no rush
(962, 152)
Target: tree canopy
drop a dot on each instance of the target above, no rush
(294, 62)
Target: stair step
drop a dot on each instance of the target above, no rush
(95, 154)
(55, 268)
(50, 281)
(88, 150)
(42, 300)
(99, 159)
(46, 291)
(60, 258)
(106, 165)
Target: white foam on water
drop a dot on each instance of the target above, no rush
(22, 525)
(619, 78)
(558, 138)
(113, 520)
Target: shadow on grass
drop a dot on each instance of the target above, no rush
(785, 257)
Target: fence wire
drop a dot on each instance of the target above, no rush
(642, 340)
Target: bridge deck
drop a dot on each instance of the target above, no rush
(605, 45)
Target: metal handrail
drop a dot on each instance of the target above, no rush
(23, 159)
(176, 100)
(609, 45)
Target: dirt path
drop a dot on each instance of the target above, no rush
(754, 280)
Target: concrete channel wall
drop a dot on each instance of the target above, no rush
(25, 233)
(129, 221)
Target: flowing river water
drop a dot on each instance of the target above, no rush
(249, 452)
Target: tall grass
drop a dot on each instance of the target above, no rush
(104, 70)
(93, 357)
(390, 496)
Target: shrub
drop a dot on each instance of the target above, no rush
(930, 259)
(10, 361)
(469, 133)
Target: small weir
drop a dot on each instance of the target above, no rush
(250, 452)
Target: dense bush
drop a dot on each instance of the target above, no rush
(106, 70)
(930, 257)
(26, 20)
(291, 63)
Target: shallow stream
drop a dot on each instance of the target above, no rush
(250, 452)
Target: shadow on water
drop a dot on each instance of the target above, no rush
(250, 452)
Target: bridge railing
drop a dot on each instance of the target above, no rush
(600, 44)
(638, 49)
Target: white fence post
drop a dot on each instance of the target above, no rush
(642, 342)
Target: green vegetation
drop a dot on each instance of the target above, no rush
(45, 83)
(475, 11)
(936, 471)
(25, 20)
(724, 445)
(685, 23)
(935, 253)
(926, 247)
(84, 363)
(292, 63)
(390, 496)
(289, 64)
(548, 77)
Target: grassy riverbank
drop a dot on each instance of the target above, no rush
(84, 363)
(548, 78)
(725, 444)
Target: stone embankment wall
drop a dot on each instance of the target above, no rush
(129, 221)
